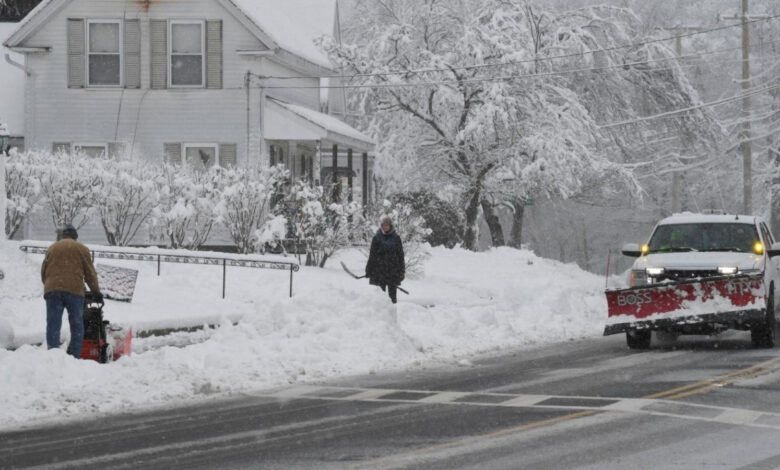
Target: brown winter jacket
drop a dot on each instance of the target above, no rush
(66, 266)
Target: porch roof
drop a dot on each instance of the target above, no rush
(286, 121)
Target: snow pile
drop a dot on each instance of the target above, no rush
(333, 325)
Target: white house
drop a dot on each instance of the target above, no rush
(238, 81)
(11, 90)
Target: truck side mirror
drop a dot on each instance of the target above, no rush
(774, 250)
(633, 250)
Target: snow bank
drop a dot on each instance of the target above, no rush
(467, 303)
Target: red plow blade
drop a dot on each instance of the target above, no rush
(718, 299)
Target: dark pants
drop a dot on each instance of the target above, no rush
(56, 302)
(392, 291)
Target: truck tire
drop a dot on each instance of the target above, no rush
(763, 336)
(638, 339)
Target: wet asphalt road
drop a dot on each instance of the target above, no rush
(696, 404)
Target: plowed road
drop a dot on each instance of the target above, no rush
(699, 404)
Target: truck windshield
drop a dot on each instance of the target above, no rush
(703, 237)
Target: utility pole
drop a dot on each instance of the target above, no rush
(746, 137)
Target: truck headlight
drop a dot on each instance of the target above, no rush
(638, 277)
(727, 270)
(655, 272)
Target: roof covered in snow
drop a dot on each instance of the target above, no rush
(294, 24)
(331, 127)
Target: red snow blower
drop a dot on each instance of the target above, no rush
(103, 342)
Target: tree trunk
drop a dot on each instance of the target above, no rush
(471, 232)
(515, 236)
(496, 232)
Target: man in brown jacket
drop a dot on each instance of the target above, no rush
(65, 268)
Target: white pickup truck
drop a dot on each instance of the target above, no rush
(699, 274)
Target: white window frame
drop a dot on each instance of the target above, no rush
(185, 146)
(120, 53)
(202, 54)
(74, 147)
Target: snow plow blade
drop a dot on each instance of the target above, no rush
(730, 300)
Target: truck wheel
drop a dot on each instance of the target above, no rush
(638, 339)
(763, 336)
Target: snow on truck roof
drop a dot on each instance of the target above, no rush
(692, 218)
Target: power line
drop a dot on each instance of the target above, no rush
(534, 60)
(740, 96)
(496, 78)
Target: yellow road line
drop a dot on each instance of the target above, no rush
(671, 394)
(708, 384)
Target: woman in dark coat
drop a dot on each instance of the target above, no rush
(386, 266)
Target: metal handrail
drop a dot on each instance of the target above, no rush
(186, 259)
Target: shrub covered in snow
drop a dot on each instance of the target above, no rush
(68, 185)
(188, 200)
(23, 190)
(125, 197)
(324, 227)
(441, 217)
(245, 202)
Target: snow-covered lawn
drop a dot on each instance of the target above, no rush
(466, 303)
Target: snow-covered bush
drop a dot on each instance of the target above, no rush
(442, 217)
(187, 202)
(23, 189)
(324, 227)
(68, 184)
(409, 225)
(245, 203)
(125, 197)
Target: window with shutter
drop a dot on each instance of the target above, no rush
(201, 156)
(187, 50)
(104, 53)
(91, 150)
(116, 149)
(58, 147)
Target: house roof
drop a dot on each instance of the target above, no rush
(294, 24)
(291, 25)
(286, 121)
(12, 88)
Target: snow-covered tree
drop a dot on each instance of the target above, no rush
(488, 97)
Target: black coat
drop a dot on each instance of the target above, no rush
(386, 265)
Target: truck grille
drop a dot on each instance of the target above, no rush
(685, 275)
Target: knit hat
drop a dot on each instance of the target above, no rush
(386, 220)
(68, 231)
